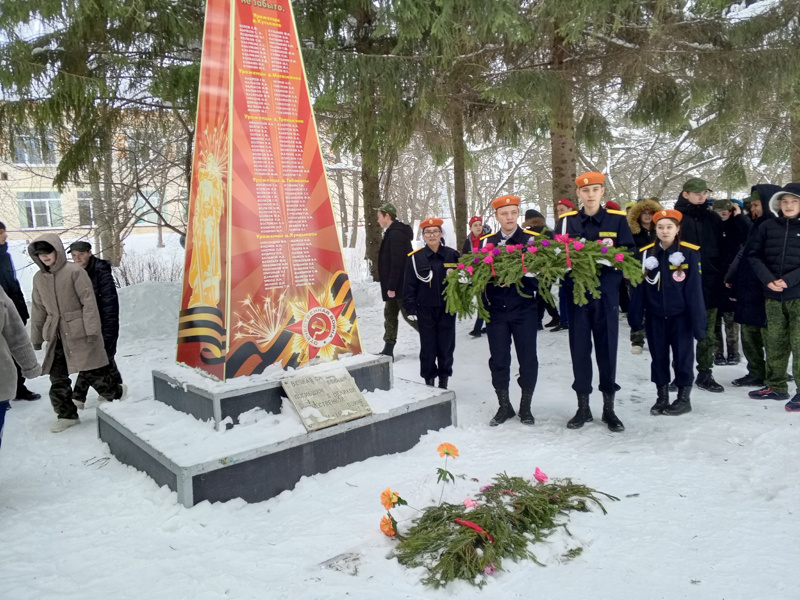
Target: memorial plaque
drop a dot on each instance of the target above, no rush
(325, 400)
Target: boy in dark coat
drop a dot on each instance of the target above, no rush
(10, 285)
(746, 292)
(105, 292)
(775, 258)
(392, 255)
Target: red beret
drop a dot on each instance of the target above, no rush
(475, 218)
(566, 203)
(507, 200)
(669, 213)
(434, 222)
(612, 205)
(590, 178)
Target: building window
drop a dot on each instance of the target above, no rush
(142, 211)
(39, 210)
(85, 216)
(29, 151)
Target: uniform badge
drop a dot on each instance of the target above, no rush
(679, 276)
(608, 242)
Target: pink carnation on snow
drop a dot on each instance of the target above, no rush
(489, 569)
(470, 503)
(539, 475)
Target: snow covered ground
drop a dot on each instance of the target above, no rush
(708, 502)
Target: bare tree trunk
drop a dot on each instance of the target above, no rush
(356, 197)
(794, 127)
(562, 126)
(459, 174)
(371, 186)
(339, 178)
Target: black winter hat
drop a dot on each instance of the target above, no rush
(2, 226)
(532, 213)
(42, 248)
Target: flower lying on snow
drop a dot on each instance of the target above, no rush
(389, 498)
(387, 526)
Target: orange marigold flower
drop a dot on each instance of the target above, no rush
(387, 527)
(447, 450)
(389, 498)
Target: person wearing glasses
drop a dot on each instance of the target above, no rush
(423, 285)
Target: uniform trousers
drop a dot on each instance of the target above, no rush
(437, 341)
(82, 383)
(675, 334)
(519, 325)
(754, 352)
(596, 320)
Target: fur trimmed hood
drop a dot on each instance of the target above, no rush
(635, 212)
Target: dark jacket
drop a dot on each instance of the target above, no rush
(735, 232)
(426, 264)
(467, 247)
(9, 283)
(498, 299)
(105, 291)
(661, 295)
(703, 228)
(775, 254)
(746, 288)
(392, 255)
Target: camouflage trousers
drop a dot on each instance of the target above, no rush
(391, 309)
(731, 334)
(705, 347)
(61, 385)
(753, 348)
(782, 339)
(82, 385)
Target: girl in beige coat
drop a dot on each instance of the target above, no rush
(64, 314)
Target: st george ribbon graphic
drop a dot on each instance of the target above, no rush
(264, 278)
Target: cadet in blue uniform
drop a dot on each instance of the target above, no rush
(599, 318)
(422, 299)
(512, 316)
(671, 300)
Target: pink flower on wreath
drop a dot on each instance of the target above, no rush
(489, 569)
(539, 476)
(469, 270)
(476, 260)
(545, 242)
(460, 265)
(496, 251)
(562, 237)
(604, 249)
(488, 259)
(619, 257)
(577, 245)
(530, 241)
(533, 249)
(510, 249)
(470, 503)
(485, 487)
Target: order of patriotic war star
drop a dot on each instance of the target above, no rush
(598, 319)
(512, 317)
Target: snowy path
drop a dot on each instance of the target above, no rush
(707, 510)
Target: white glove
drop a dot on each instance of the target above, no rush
(412, 317)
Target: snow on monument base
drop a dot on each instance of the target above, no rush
(264, 454)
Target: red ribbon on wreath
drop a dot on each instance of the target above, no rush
(564, 239)
(476, 527)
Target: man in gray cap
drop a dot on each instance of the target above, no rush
(105, 291)
(392, 256)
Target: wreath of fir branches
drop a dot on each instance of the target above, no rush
(547, 260)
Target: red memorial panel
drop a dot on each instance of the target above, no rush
(264, 278)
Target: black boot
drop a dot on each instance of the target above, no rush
(525, 414)
(719, 359)
(443, 381)
(682, 405)
(584, 414)
(505, 412)
(705, 381)
(388, 349)
(431, 382)
(733, 358)
(662, 400)
(609, 416)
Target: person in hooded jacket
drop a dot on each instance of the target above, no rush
(392, 256)
(10, 285)
(775, 258)
(64, 316)
(670, 302)
(640, 220)
(16, 352)
(424, 284)
(744, 290)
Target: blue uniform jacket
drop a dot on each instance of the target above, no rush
(420, 264)
(499, 298)
(608, 225)
(661, 295)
